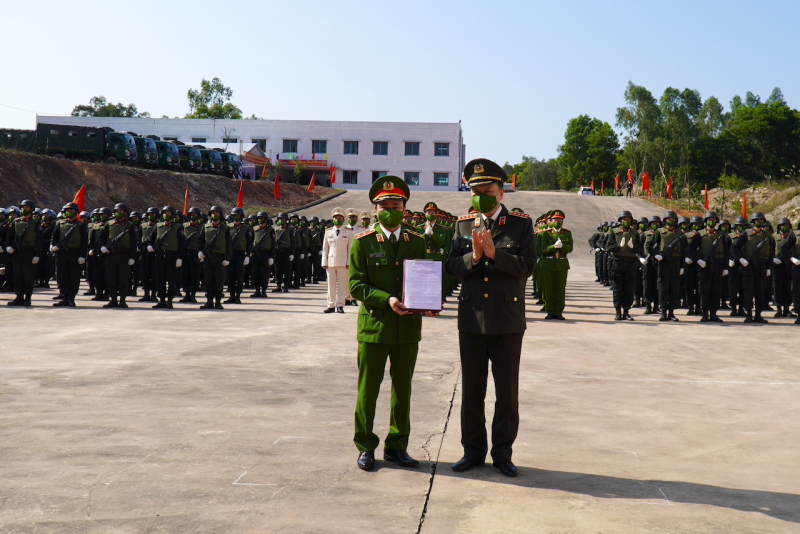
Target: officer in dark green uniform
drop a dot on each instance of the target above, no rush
(193, 232)
(263, 251)
(709, 249)
(317, 234)
(649, 269)
(735, 274)
(215, 256)
(691, 279)
(642, 226)
(552, 247)
(285, 245)
(242, 240)
(148, 254)
(493, 254)
(386, 328)
(100, 281)
(625, 246)
(754, 250)
(782, 269)
(70, 244)
(25, 246)
(668, 249)
(435, 238)
(136, 269)
(169, 243)
(794, 257)
(117, 243)
(304, 242)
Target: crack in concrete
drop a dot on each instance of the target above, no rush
(434, 463)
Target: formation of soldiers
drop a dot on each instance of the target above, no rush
(702, 264)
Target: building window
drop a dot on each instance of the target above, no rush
(380, 148)
(351, 147)
(351, 177)
(229, 140)
(377, 175)
(170, 138)
(412, 149)
(261, 143)
(289, 145)
(441, 179)
(319, 147)
(441, 149)
(199, 139)
(411, 178)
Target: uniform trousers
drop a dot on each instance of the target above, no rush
(24, 270)
(754, 279)
(338, 286)
(283, 268)
(118, 273)
(477, 350)
(623, 279)
(710, 286)
(69, 272)
(796, 287)
(148, 269)
(669, 283)
(371, 367)
(260, 263)
(735, 286)
(191, 271)
(554, 284)
(316, 263)
(236, 273)
(782, 280)
(650, 282)
(690, 285)
(166, 274)
(214, 275)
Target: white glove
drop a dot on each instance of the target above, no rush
(54, 248)
(558, 244)
(630, 242)
(681, 273)
(291, 257)
(270, 261)
(428, 230)
(81, 261)
(643, 261)
(35, 260)
(320, 253)
(225, 263)
(659, 257)
(776, 261)
(104, 250)
(150, 248)
(10, 250)
(178, 263)
(769, 273)
(622, 243)
(91, 253)
(131, 261)
(201, 256)
(302, 256)
(724, 272)
(744, 262)
(597, 250)
(731, 263)
(246, 260)
(701, 263)
(689, 261)
(796, 261)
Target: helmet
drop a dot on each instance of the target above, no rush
(696, 220)
(283, 215)
(784, 222)
(303, 218)
(121, 206)
(655, 219)
(315, 219)
(28, 203)
(757, 215)
(768, 224)
(71, 206)
(37, 211)
(2, 212)
(623, 215)
(724, 222)
(643, 220)
(263, 214)
(15, 210)
(105, 211)
(684, 220)
(670, 215)
(169, 209)
(85, 214)
(194, 210)
(153, 209)
(204, 217)
(135, 214)
(294, 216)
(218, 209)
(237, 211)
(740, 221)
(711, 215)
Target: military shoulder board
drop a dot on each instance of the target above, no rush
(522, 215)
(414, 233)
(465, 217)
(365, 234)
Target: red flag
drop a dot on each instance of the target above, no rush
(514, 181)
(602, 188)
(592, 186)
(706, 203)
(616, 183)
(333, 174)
(312, 184)
(240, 200)
(313, 156)
(186, 201)
(646, 181)
(264, 172)
(744, 206)
(669, 189)
(80, 198)
(277, 186)
(630, 176)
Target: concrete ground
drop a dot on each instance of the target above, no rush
(139, 420)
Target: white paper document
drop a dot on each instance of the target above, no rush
(422, 285)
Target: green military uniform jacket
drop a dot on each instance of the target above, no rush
(214, 243)
(551, 258)
(21, 233)
(436, 242)
(615, 238)
(663, 243)
(119, 236)
(241, 238)
(376, 273)
(710, 246)
(193, 232)
(285, 239)
(169, 237)
(264, 240)
(748, 243)
(73, 234)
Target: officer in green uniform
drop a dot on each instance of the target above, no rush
(649, 269)
(294, 226)
(552, 247)
(215, 256)
(386, 328)
(794, 256)
(642, 226)
(70, 244)
(242, 241)
(709, 250)
(754, 250)
(193, 232)
(117, 242)
(624, 245)
(596, 252)
(25, 246)
(136, 270)
(147, 254)
(317, 234)
(668, 248)
(782, 270)
(169, 243)
(285, 246)
(97, 257)
(691, 280)
(735, 274)
(262, 254)
(304, 239)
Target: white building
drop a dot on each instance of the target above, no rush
(429, 156)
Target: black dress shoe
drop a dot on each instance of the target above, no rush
(329, 310)
(507, 468)
(339, 310)
(467, 463)
(366, 460)
(400, 457)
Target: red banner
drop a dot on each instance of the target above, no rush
(706, 202)
(80, 198)
(312, 184)
(277, 186)
(602, 188)
(240, 200)
(592, 186)
(669, 189)
(616, 183)
(307, 163)
(630, 176)
(186, 201)
(646, 181)
(744, 206)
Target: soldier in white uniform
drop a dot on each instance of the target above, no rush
(351, 218)
(364, 221)
(336, 260)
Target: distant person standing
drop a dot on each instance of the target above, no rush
(629, 187)
(336, 261)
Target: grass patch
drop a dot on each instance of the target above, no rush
(778, 200)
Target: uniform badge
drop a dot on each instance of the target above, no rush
(477, 222)
(405, 236)
(502, 221)
(478, 168)
(379, 238)
(388, 186)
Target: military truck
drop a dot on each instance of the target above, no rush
(169, 157)
(85, 142)
(190, 158)
(231, 165)
(22, 140)
(146, 150)
(212, 161)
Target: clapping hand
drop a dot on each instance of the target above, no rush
(558, 244)
(477, 246)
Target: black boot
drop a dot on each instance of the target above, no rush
(714, 318)
(672, 316)
(112, 303)
(759, 319)
(749, 317)
(734, 311)
(162, 303)
(63, 302)
(628, 315)
(209, 305)
(664, 316)
(619, 316)
(704, 319)
(186, 298)
(779, 313)
(146, 297)
(218, 304)
(256, 294)
(649, 309)
(122, 303)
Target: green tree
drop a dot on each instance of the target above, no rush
(100, 107)
(588, 153)
(212, 101)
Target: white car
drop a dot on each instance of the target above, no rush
(585, 191)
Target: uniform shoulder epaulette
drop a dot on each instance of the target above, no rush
(465, 217)
(521, 215)
(365, 234)
(415, 233)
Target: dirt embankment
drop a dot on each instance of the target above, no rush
(52, 182)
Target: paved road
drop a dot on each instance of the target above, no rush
(191, 421)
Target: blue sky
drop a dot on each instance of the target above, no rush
(513, 72)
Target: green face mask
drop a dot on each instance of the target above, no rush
(166, 216)
(302, 224)
(152, 217)
(711, 223)
(193, 217)
(698, 226)
(643, 226)
(626, 224)
(364, 224)
(685, 227)
(215, 216)
(103, 218)
(391, 218)
(279, 222)
(557, 224)
(119, 216)
(67, 214)
(25, 211)
(740, 229)
(431, 217)
(484, 203)
(759, 224)
(671, 223)
(655, 226)
(725, 229)
(338, 222)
